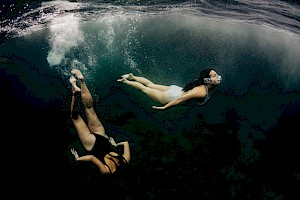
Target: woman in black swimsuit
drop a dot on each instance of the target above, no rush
(92, 134)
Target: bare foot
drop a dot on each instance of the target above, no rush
(123, 79)
(128, 76)
(75, 88)
(78, 74)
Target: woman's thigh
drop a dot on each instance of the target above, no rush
(94, 124)
(87, 139)
(157, 95)
(158, 87)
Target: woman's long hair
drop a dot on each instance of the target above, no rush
(121, 159)
(198, 81)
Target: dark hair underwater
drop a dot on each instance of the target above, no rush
(198, 81)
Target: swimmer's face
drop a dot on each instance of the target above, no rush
(215, 79)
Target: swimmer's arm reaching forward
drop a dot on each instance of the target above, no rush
(103, 168)
(170, 104)
(197, 92)
(126, 153)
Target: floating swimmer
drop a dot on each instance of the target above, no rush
(173, 95)
(92, 135)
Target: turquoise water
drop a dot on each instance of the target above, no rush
(241, 145)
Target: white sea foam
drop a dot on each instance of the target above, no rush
(65, 34)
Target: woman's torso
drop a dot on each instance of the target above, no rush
(199, 94)
(104, 151)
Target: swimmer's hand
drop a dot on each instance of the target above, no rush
(158, 107)
(112, 141)
(121, 143)
(75, 154)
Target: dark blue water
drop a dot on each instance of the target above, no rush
(241, 145)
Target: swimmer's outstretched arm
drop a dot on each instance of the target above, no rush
(189, 95)
(170, 104)
(103, 168)
(126, 153)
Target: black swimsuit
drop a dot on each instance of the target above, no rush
(101, 147)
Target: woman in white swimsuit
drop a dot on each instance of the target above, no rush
(173, 95)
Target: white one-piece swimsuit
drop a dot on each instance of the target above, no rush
(174, 92)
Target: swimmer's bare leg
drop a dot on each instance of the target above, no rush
(75, 90)
(133, 84)
(85, 93)
(83, 129)
(139, 79)
(94, 123)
